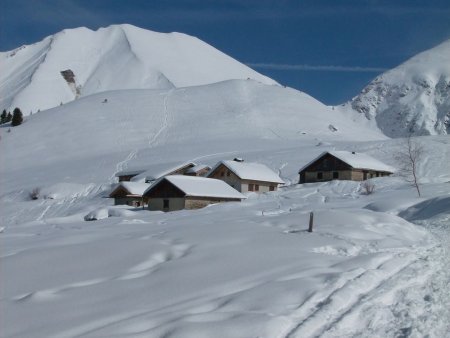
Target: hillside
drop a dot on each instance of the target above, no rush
(414, 96)
(112, 58)
(226, 115)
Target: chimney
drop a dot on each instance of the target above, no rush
(238, 159)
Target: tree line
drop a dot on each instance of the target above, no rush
(16, 118)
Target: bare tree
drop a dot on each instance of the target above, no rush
(408, 159)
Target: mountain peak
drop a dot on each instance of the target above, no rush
(411, 98)
(111, 58)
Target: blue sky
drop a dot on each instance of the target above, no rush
(328, 48)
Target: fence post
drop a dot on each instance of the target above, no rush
(311, 222)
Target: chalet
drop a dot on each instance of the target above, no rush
(127, 175)
(176, 192)
(129, 193)
(246, 176)
(343, 165)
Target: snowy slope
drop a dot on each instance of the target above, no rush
(225, 115)
(238, 269)
(116, 57)
(414, 96)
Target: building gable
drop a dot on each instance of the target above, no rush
(327, 162)
(222, 172)
(164, 189)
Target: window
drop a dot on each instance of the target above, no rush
(228, 173)
(272, 188)
(250, 187)
(166, 204)
(319, 175)
(256, 187)
(335, 174)
(222, 174)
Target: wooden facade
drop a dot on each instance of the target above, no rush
(329, 167)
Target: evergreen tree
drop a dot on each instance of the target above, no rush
(8, 117)
(17, 117)
(3, 117)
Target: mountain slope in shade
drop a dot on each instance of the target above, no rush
(413, 97)
(112, 58)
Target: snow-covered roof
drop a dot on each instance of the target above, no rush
(133, 188)
(250, 171)
(159, 170)
(197, 168)
(355, 160)
(200, 187)
(129, 172)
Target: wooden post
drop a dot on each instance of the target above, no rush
(311, 222)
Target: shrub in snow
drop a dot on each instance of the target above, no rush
(17, 117)
(34, 194)
(367, 188)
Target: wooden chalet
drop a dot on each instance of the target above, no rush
(129, 193)
(176, 192)
(246, 176)
(343, 165)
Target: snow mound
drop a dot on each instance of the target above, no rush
(429, 209)
(116, 211)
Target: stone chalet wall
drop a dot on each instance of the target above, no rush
(262, 186)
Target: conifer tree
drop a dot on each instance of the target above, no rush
(3, 117)
(17, 117)
(8, 117)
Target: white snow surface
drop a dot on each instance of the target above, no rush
(200, 186)
(413, 97)
(111, 58)
(356, 160)
(251, 171)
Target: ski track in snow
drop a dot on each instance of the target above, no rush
(165, 123)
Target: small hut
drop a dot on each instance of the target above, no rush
(129, 193)
(176, 192)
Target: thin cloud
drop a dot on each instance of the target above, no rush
(319, 68)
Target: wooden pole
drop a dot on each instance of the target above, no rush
(311, 222)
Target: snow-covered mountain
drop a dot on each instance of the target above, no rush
(414, 96)
(80, 62)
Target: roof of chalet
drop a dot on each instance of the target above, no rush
(133, 188)
(156, 171)
(250, 171)
(129, 172)
(197, 168)
(355, 160)
(200, 187)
